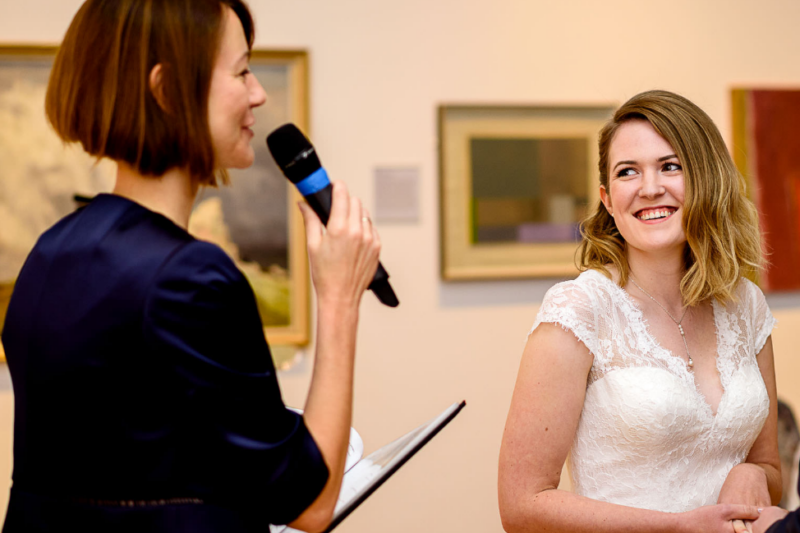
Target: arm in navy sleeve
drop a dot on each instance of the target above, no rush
(790, 524)
(241, 445)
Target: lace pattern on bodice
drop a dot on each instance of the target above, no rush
(647, 437)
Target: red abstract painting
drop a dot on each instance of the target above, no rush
(767, 151)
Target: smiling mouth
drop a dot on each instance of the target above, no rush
(655, 214)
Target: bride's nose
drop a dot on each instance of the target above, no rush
(651, 185)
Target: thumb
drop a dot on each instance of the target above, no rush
(313, 225)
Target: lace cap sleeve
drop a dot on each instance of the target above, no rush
(761, 316)
(569, 305)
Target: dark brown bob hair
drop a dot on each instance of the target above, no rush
(99, 92)
(721, 224)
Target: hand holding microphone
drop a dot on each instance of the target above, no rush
(344, 260)
(298, 160)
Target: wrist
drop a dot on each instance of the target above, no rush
(338, 305)
(678, 522)
(337, 320)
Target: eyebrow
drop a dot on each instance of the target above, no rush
(245, 55)
(631, 162)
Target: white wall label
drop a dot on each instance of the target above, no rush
(396, 194)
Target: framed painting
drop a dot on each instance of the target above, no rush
(765, 147)
(255, 219)
(515, 184)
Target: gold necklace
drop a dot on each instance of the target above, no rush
(690, 364)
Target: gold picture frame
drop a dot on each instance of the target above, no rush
(468, 135)
(24, 71)
(284, 76)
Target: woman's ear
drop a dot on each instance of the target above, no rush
(606, 199)
(157, 87)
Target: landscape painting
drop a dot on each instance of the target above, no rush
(255, 219)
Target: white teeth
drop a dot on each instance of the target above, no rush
(655, 214)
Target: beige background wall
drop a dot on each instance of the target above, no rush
(378, 71)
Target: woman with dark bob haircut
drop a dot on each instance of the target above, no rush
(145, 395)
(653, 370)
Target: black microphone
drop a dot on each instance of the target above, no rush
(298, 161)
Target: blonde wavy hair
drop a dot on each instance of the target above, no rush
(723, 240)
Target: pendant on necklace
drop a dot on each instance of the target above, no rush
(690, 364)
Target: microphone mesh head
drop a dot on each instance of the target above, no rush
(286, 143)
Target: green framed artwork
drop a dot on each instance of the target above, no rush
(515, 184)
(255, 220)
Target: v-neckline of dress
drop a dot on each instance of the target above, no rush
(686, 374)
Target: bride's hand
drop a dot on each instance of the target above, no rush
(717, 518)
(746, 484)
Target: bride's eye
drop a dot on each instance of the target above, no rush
(626, 172)
(671, 167)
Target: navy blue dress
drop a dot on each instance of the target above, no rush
(145, 395)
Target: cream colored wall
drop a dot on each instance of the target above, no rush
(378, 71)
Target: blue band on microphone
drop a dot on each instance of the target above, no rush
(314, 183)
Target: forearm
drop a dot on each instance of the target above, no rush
(330, 397)
(774, 484)
(560, 511)
(328, 409)
(343, 257)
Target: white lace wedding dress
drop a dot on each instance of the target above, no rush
(647, 437)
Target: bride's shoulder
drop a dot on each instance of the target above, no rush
(747, 286)
(748, 294)
(588, 281)
(579, 305)
(587, 290)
